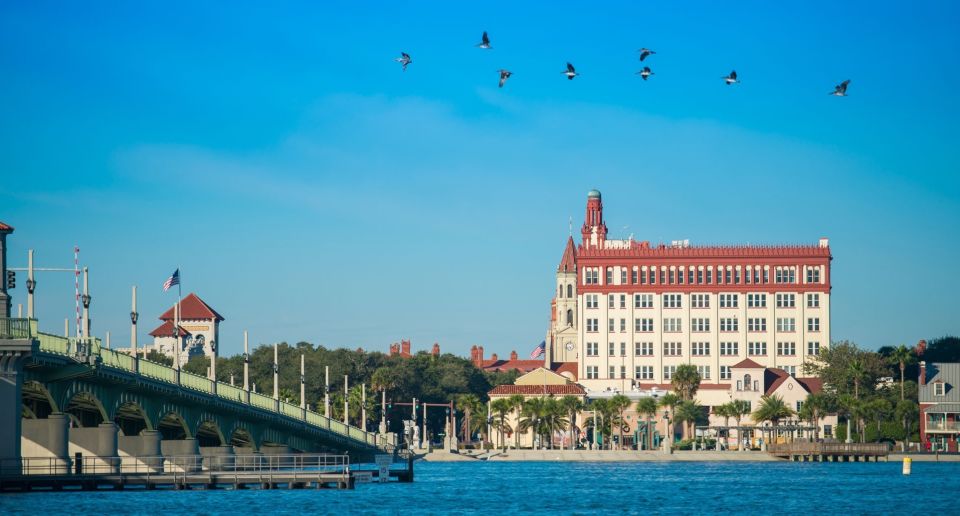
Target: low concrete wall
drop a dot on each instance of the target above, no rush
(97, 446)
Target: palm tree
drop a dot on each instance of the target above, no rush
(619, 403)
(857, 371)
(726, 412)
(648, 407)
(773, 409)
(877, 409)
(533, 417)
(739, 409)
(686, 381)
(501, 407)
(516, 403)
(601, 410)
(813, 409)
(469, 404)
(907, 412)
(571, 405)
(554, 418)
(902, 356)
(688, 413)
(669, 401)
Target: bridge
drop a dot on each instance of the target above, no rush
(76, 396)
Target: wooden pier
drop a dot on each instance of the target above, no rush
(295, 471)
(830, 452)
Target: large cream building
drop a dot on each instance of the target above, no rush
(627, 313)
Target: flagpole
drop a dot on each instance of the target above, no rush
(176, 329)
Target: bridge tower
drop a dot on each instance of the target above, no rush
(16, 346)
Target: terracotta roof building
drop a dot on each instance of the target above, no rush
(197, 334)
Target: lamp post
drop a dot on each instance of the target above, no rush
(133, 323)
(668, 442)
(31, 284)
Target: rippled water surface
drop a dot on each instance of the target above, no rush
(563, 488)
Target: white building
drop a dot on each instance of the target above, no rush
(199, 331)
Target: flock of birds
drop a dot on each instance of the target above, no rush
(840, 90)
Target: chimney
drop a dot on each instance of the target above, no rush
(921, 347)
(394, 349)
(493, 357)
(436, 349)
(473, 355)
(923, 372)
(513, 355)
(480, 355)
(405, 347)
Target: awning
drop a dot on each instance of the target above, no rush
(943, 408)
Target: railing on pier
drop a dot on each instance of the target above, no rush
(59, 345)
(148, 465)
(816, 448)
(14, 328)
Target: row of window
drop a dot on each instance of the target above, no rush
(702, 324)
(700, 300)
(645, 372)
(700, 349)
(724, 275)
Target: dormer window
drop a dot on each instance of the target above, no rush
(938, 389)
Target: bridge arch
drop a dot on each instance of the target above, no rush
(37, 401)
(208, 433)
(172, 426)
(241, 437)
(131, 418)
(85, 409)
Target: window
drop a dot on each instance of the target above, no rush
(623, 300)
(643, 301)
(668, 371)
(611, 301)
(791, 370)
(611, 349)
(710, 275)
(700, 349)
(756, 300)
(592, 325)
(671, 325)
(727, 276)
(756, 348)
(644, 372)
(728, 300)
(799, 405)
(786, 324)
(729, 349)
(613, 372)
(786, 349)
(700, 324)
(569, 290)
(643, 325)
(592, 276)
(591, 301)
(813, 348)
(609, 278)
(569, 317)
(813, 275)
(700, 301)
(671, 301)
(813, 300)
(633, 276)
(623, 372)
(786, 301)
(700, 276)
(938, 389)
(757, 324)
(623, 325)
(672, 276)
(643, 349)
(813, 324)
(623, 349)
(785, 275)
(623, 275)
(725, 373)
(592, 372)
(704, 371)
(663, 276)
(611, 325)
(672, 349)
(593, 349)
(729, 324)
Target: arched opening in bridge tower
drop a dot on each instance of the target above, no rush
(208, 434)
(85, 410)
(37, 401)
(241, 438)
(172, 427)
(131, 419)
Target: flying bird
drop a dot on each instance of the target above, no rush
(504, 75)
(571, 72)
(485, 41)
(840, 90)
(404, 60)
(645, 73)
(645, 52)
(731, 79)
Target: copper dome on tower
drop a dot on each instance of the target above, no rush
(593, 194)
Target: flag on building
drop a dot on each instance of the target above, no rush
(174, 279)
(539, 350)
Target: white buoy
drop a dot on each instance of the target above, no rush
(907, 462)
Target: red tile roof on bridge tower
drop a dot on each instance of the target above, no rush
(6, 227)
(166, 330)
(192, 308)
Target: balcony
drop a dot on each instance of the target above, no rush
(15, 328)
(942, 426)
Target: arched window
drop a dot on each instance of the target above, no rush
(560, 291)
(569, 317)
(569, 290)
(746, 382)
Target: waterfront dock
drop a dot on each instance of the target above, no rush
(830, 452)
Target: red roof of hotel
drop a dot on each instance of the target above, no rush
(166, 330)
(669, 387)
(530, 390)
(747, 364)
(193, 308)
(566, 367)
(5, 227)
(568, 263)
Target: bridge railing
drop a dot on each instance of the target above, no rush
(15, 328)
(243, 463)
(195, 382)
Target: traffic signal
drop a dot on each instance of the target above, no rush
(11, 280)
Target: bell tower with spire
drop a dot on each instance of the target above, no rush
(563, 345)
(594, 231)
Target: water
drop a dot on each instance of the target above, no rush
(564, 488)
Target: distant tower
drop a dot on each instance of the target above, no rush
(563, 341)
(594, 230)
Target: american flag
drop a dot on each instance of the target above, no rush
(539, 350)
(174, 279)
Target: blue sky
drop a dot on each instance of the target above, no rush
(310, 190)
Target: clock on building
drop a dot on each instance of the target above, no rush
(569, 346)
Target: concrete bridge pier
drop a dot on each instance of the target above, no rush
(219, 457)
(182, 455)
(146, 445)
(13, 353)
(97, 446)
(48, 440)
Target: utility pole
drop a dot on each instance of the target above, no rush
(326, 392)
(276, 372)
(363, 406)
(246, 363)
(303, 390)
(346, 401)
